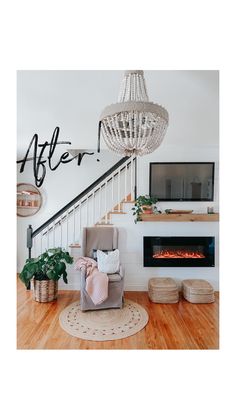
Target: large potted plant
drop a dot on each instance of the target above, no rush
(44, 273)
(143, 204)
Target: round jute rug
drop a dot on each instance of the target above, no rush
(101, 325)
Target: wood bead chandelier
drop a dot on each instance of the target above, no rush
(133, 126)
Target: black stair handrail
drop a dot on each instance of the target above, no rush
(79, 197)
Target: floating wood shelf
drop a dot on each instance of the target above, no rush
(180, 217)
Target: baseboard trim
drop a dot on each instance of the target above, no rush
(128, 287)
(135, 287)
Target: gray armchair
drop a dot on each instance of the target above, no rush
(103, 238)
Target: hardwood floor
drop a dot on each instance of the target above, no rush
(171, 326)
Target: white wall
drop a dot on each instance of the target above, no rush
(131, 234)
(131, 247)
(180, 153)
(73, 100)
(59, 188)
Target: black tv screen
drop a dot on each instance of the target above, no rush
(182, 181)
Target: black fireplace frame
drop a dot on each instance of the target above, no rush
(207, 241)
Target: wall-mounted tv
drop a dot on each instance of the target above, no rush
(182, 181)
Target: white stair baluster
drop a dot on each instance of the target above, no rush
(112, 191)
(131, 179)
(61, 230)
(53, 234)
(67, 230)
(106, 202)
(125, 183)
(47, 233)
(93, 204)
(80, 218)
(41, 243)
(33, 250)
(135, 178)
(74, 224)
(87, 212)
(119, 191)
(110, 194)
(99, 205)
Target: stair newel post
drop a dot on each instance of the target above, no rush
(29, 240)
(29, 244)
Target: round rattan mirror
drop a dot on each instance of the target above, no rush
(29, 199)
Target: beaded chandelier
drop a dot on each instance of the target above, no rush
(133, 126)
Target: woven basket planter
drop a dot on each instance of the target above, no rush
(44, 291)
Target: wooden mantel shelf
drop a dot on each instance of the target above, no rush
(180, 217)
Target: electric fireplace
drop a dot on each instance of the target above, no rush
(178, 251)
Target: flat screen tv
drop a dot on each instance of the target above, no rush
(182, 181)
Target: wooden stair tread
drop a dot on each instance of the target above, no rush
(117, 212)
(104, 224)
(118, 207)
(127, 202)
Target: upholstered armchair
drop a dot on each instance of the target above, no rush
(103, 238)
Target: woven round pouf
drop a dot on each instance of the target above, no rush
(102, 325)
(198, 291)
(163, 290)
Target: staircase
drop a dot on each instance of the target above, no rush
(94, 206)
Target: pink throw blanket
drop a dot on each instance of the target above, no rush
(96, 282)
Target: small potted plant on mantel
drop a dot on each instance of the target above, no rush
(143, 204)
(44, 273)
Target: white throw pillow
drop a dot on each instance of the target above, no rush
(108, 263)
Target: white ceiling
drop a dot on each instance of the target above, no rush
(73, 100)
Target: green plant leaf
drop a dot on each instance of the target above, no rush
(60, 268)
(51, 274)
(25, 277)
(65, 277)
(50, 264)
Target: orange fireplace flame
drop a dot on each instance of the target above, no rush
(177, 254)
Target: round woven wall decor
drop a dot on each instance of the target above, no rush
(102, 325)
